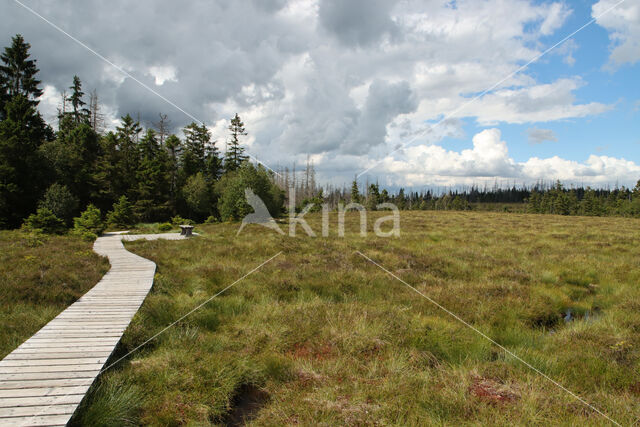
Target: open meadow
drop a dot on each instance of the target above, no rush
(321, 335)
(40, 276)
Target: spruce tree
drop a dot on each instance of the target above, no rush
(355, 193)
(153, 187)
(195, 147)
(22, 169)
(17, 75)
(107, 173)
(80, 114)
(129, 158)
(235, 156)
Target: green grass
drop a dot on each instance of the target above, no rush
(39, 277)
(329, 338)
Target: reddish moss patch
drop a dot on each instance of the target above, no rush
(491, 391)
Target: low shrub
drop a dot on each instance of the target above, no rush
(89, 221)
(122, 214)
(165, 227)
(178, 220)
(59, 200)
(45, 221)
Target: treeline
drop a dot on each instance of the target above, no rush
(131, 174)
(79, 176)
(540, 199)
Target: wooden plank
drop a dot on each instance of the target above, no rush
(32, 411)
(34, 356)
(68, 382)
(43, 381)
(52, 368)
(44, 391)
(53, 362)
(54, 348)
(40, 420)
(12, 402)
(63, 375)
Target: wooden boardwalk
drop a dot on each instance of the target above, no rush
(43, 381)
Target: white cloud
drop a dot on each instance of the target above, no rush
(50, 103)
(163, 73)
(489, 159)
(536, 103)
(623, 24)
(315, 76)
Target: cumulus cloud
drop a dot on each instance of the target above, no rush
(536, 103)
(623, 24)
(346, 81)
(538, 136)
(489, 159)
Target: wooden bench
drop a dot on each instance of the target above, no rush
(186, 230)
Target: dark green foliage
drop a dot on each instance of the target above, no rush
(22, 169)
(44, 221)
(165, 227)
(198, 194)
(173, 148)
(373, 198)
(316, 201)
(234, 157)
(89, 221)
(232, 204)
(153, 184)
(196, 138)
(355, 193)
(17, 75)
(200, 154)
(73, 156)
(178, 220)
(80, 114)
(122, 214)
(59, 200)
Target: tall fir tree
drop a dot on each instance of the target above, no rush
(22, 169)
(18, 74)
(235, 156)
(153, 186)
(195, 146)
(22, 131)
(79, 113)
(129, 159)
(355, 192)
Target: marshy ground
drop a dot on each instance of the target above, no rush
(321, 335)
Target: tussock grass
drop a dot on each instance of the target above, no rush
(39, 277)
(332, 339)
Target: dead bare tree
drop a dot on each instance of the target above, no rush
(96, 118)
(162, 126)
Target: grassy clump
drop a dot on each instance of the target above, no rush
(327, 337)
(40, 276)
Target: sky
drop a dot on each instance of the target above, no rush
(414, 94)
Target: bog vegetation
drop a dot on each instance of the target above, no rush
(321, 336)
(39, 277)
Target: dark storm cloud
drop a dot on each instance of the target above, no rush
(216, 48)
(358, 22)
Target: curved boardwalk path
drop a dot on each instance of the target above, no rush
(43, 381)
